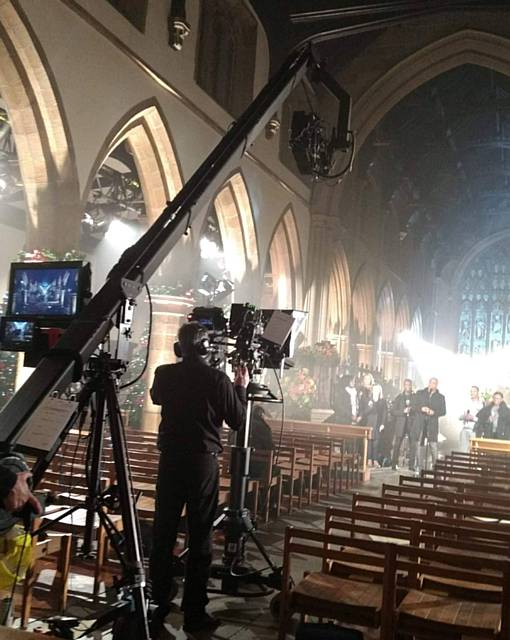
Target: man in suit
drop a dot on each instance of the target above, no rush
(429, 406)
(401, 411)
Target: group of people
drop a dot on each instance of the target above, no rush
(360, 400)
(415, 414)
(482, 419)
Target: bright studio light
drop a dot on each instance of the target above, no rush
(121, 233)
(209, 250)
(457, 373)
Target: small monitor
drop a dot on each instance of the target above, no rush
(17, 335)
(47, 289)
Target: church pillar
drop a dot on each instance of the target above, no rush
(324, 231)
(168, 314)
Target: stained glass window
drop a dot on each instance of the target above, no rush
(484, 323)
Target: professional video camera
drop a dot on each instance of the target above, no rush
(258, 338)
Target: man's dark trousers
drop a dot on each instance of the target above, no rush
(190, 479)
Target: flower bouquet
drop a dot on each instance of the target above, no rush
(299, 391)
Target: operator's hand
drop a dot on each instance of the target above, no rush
(242, 377)
(20, 494)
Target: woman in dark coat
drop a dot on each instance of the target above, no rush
(493, 421)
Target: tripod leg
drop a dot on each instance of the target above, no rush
(137, 627)
(94, 484)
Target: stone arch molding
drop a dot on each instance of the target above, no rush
(467, 46)
(147, 134)
(235, 217)
(363, 304)
(338, 300)
(479, 248)
(286, 262)
(386, 315)
(43, 145)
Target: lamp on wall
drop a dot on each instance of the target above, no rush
(178, 27)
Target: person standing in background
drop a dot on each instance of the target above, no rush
(469, 417)
(372, 413)
(401, 410)
(430, 405)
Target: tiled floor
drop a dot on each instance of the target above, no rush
(242, 618)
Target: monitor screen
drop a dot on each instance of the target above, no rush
(17, 335)
(45, 289)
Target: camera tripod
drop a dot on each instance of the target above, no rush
(129, 614)
(237, 523)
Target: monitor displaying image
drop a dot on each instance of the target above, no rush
(17, 335)
(45, 289)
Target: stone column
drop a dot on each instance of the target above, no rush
(169, 312)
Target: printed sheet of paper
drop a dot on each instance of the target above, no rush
(46, 424)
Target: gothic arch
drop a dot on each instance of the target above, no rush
(286, 263)
(147, 134)
(338, 294)
(363, 305)
(417, 323)
(45, 155)
(386, 315)
(467, 46)
(402, 318)
(475, 251)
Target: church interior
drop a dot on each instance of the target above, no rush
(322, 189)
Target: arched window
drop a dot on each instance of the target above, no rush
(225, 62)
(484, 322)
(282, 274)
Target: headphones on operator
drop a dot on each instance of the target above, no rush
(193, 337)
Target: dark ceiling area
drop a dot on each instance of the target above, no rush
(341, 29)
(441, 159)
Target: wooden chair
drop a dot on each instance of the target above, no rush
(352, 600)
(55, 548)
(434, 613)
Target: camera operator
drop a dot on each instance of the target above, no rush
(14, 490)
(195, 399)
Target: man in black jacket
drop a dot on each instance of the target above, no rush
(401, 411)
(493, 421)
(195, 399)
(429, 406)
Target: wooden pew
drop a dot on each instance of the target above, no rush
(355, 437)
(397, 599)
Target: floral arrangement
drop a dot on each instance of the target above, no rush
(299, 388)
(324, 353)
(46, 255)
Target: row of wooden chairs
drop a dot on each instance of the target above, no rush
(304, 469)
(429, 557)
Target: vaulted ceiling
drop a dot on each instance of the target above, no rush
(441, 159)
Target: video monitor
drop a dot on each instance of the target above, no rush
(17, 335)
(46, 289)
